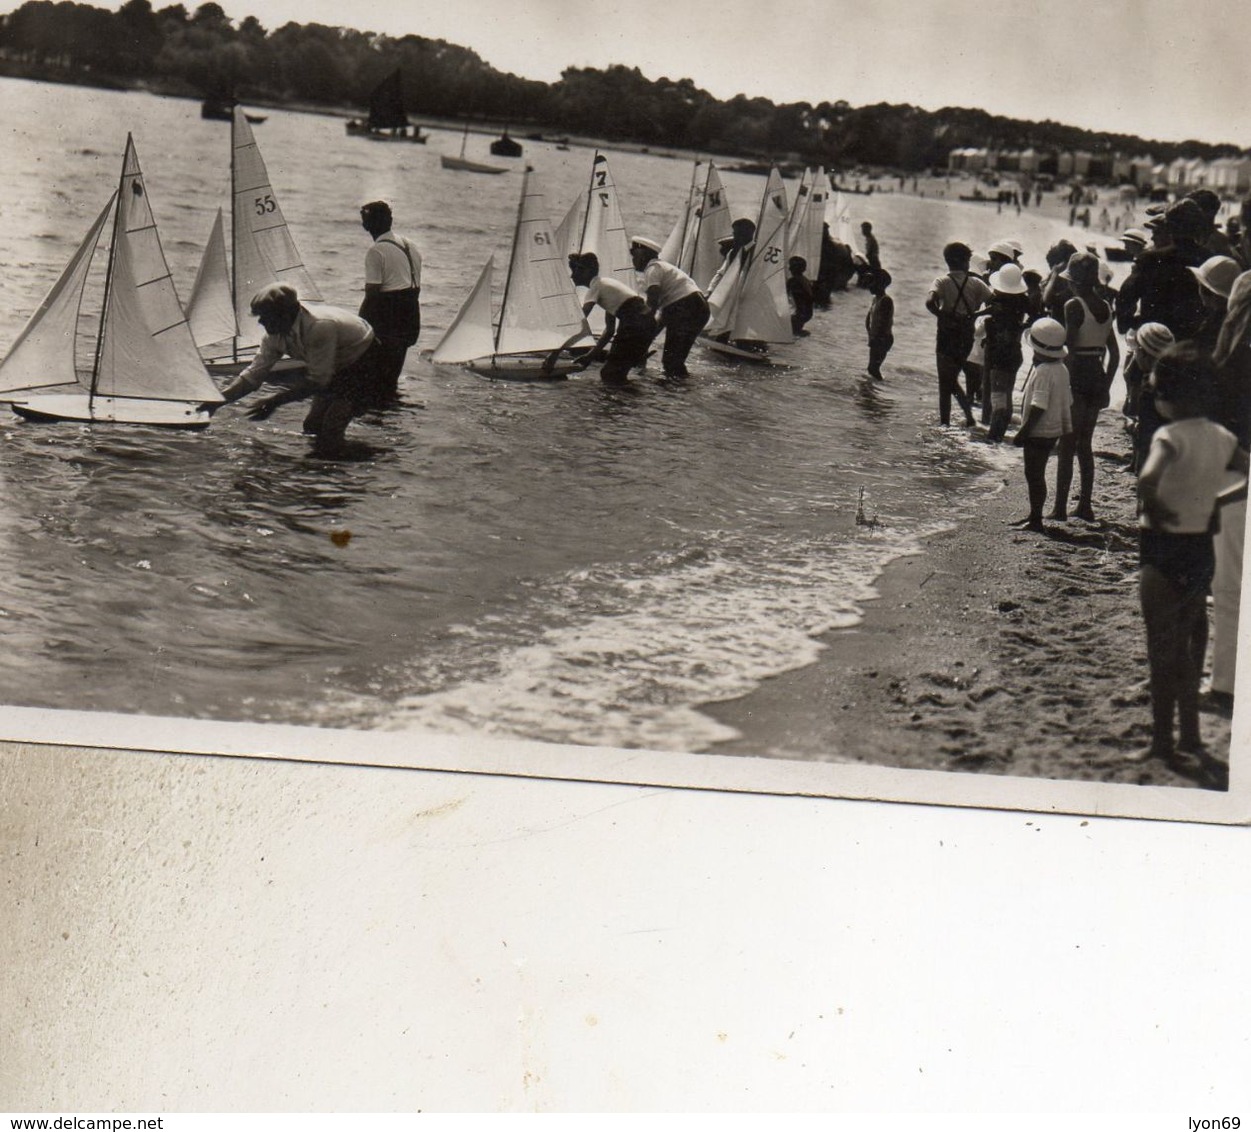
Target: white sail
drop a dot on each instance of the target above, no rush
(570, 228)
(470, 336)
(594, 225)
(42, 356)
(799, 207)
(750, 303)
(694, 245)
(540, 309)
(713, 223)
(678, 238)
(807, 239)
(838, 216)
(603, 229)
(146, 350)
(210, 309)
(264, 250)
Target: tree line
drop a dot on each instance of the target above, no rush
(204, 53)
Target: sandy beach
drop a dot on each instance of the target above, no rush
(994, 651)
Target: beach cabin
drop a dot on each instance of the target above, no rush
(1142, 171)
(1196, 174)
(1230, 176)
(1176, 175)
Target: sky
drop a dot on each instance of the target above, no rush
(1164, 69)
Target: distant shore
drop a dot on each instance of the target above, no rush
(994, 650)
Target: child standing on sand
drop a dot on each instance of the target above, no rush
(1177, 489)
(1046, 412)
(880, 322)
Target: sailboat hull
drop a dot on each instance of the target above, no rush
(521, 368)
(729, 350)
(82, 408)
(469, 166)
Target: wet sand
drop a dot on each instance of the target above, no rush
(996, 651)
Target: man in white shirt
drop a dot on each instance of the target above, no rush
(392, 289)
(629, 326)
(675, 296)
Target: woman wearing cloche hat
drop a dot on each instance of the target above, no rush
(1045, 412)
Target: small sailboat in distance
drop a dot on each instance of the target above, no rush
(145, 368)
(387, 119)
(539, 311)
(462, 163)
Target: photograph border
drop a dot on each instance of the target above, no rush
(430, 751)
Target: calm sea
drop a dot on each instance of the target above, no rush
(562, 562)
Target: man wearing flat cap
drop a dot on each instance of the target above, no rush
(341, 354)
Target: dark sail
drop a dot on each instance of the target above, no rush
(386, 105)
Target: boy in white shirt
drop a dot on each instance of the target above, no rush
(1177, 487)
(1046, 411)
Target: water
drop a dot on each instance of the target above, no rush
(563, 562)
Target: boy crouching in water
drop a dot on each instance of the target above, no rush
(1046, 412)
(1183, 472)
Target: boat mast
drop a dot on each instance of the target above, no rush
(586, 212)
(699, 220)
(686, 213)
(108, 281)
(525, 181)
(234, 239)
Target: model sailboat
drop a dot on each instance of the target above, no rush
(539, 312)
(594, 224)
(262, 251)
(694, 243)
(749, 305)
(803, 230)
(838, 216)
(145, 368)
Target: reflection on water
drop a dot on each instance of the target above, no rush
(562, 560)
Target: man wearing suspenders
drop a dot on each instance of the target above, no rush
(953, 300)
(392, 289)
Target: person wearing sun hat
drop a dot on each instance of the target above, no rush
(1148, 342)
(1216, 277)
(1136, 241)
(1094, 358)
(1046, 414)
(1006, 314)
(674, 299)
